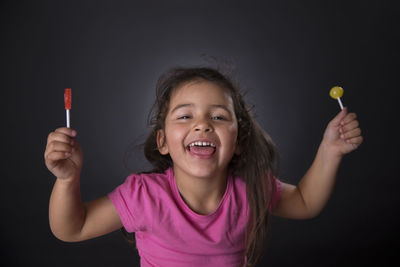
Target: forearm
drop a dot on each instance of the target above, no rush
(66, 210)
(318, 183)
(309, 197)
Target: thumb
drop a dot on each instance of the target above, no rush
(339, 117)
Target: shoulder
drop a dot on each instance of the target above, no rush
(273, 188)
(139, 199)
(271, 181)
(239, 193)
(146, 182)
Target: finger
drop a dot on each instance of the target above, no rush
(355, 140)
(60, 137)
(349, 126)
(59, 147)
(339, 117)
(351, 134)
(62, 148)
(350, 117)
(67, 131)
(55, 156)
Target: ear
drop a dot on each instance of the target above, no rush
(161, 143)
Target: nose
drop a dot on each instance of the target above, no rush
(203, 126)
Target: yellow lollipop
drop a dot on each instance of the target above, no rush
(336, 93)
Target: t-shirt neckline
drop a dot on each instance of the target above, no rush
(175, 190)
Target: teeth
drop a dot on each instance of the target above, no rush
(202, 144)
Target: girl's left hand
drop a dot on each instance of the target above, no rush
(343, 134)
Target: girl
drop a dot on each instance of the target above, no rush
(213, 186)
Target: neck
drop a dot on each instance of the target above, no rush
(202, 195)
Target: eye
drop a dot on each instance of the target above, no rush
(184, 117)
(218, 118)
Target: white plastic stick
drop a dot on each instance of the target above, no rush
(68, 118)
(340, 103)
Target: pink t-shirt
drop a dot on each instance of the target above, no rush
(169, 233)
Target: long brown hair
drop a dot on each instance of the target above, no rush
(256, 164)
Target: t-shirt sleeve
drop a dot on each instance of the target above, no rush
(128, 199)
(276, 193)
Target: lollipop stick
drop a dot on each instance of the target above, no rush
(68, 119)
(340, 103)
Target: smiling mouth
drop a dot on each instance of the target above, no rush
(202, 149)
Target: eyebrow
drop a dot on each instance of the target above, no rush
(191, 105)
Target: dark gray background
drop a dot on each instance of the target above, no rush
(288, 54)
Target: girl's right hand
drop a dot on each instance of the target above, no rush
(63, 156)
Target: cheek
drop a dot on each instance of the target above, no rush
(174, 135)
(230, 135)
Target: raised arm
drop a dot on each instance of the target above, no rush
(70, 219)
(309, 197)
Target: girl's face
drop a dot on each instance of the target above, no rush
(200, 130)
